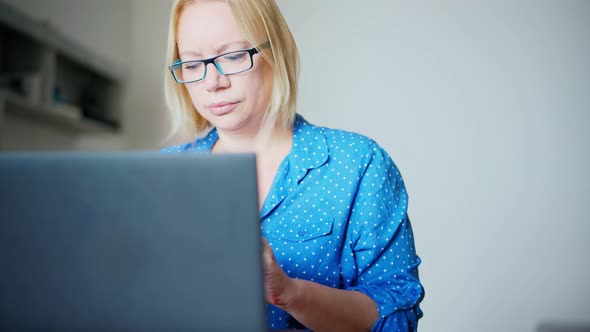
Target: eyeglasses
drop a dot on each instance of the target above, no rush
(229, 63)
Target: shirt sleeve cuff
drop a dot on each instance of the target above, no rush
(389, 300)
(399, 321)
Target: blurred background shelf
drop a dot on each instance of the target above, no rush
(50, 81)
(65, 117)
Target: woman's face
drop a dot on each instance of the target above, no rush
(231, 103)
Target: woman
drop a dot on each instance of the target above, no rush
(338, 247)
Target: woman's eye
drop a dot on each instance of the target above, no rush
(191, 66)
(235, 57)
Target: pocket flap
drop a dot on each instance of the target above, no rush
(303, 232)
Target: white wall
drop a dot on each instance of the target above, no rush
(146, 118)
(485, 107)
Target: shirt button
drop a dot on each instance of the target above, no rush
(301, 232)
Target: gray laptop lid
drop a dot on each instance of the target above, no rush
(129, 242)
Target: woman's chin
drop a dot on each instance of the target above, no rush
(228, 122)
(234, 121)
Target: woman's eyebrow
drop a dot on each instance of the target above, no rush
(232, 45)
(190, 53)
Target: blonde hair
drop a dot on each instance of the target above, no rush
(261, 22)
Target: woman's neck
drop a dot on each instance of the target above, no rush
(261, 142)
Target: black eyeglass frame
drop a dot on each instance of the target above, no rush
(206, 62)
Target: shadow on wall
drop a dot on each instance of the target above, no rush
(563, 327)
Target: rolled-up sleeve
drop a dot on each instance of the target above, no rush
(381, 243)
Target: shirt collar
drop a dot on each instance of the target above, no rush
(206, 143)
(309, 149)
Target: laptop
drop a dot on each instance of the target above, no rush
(138, 241)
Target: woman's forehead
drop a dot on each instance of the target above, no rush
(208, 27)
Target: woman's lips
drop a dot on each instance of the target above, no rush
(222, 108)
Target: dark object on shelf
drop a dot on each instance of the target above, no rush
(27, 85)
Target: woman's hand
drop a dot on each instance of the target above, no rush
(316, 306)
(279, 288)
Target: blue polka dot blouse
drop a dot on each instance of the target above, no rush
(336, 214)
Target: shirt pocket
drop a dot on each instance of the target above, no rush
(300, 232)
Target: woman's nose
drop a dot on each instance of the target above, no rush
(214, 79)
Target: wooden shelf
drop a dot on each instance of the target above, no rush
(16, 105)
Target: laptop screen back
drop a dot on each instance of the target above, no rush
(130, 242)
